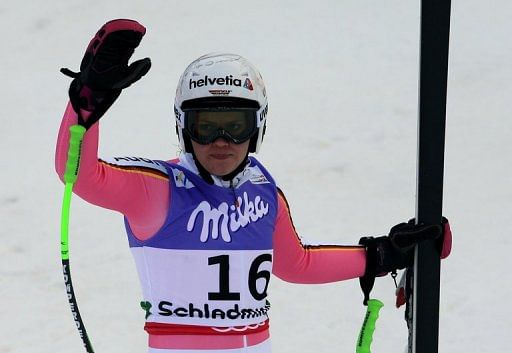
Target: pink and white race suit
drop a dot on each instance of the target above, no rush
(204, 252)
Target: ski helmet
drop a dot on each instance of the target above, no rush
(221, 82)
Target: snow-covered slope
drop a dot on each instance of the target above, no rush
(341, 141)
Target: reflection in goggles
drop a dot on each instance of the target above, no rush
(205, 126)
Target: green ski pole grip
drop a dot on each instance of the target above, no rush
(70, 175)
(75, 142)
(366, 335)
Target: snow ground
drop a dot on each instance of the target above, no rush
(342, 80)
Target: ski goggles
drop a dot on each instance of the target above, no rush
(204, 126)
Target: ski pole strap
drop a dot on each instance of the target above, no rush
(366, 334)
(366, 282)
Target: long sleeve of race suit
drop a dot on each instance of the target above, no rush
(299, 263)
(143, 198)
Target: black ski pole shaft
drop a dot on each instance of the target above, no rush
(435, 28)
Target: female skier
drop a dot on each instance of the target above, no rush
(208, 228)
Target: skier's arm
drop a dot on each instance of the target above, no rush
(140, 195)
(295, 262)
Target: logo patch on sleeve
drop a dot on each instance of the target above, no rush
(137, 163)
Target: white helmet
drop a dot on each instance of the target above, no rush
(221, 80)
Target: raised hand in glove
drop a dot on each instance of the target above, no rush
(104, 70)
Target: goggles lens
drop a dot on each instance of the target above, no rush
(205, 126)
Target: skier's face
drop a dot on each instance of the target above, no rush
(220, 157)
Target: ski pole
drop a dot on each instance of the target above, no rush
(70, 175)
(366, 334)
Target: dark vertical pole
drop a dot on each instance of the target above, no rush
(435, 28)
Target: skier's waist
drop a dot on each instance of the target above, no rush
(157, 328)
(175, 336)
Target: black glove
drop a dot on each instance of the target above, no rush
(104, 70)
(394, 251)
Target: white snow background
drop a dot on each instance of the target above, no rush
(341, 141)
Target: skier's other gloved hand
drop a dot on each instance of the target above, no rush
(405, 236)
(396, 250)
(104, 70)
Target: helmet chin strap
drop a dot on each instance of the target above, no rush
(238, 169)
(208, 177)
